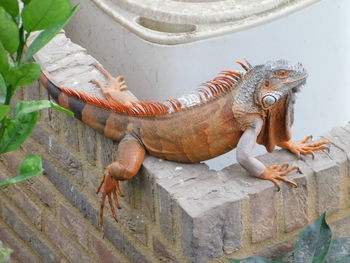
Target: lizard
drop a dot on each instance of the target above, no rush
(233, 110)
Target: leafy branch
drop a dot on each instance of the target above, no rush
(16, 70)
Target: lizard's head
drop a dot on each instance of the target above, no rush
(280, 79)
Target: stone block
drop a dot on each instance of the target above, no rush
(327, 175)
(69, 248)
(70, 221)
(263, 215)
(341, 227)
(295, 200)
(276, 250)
(103, 253)
(162, 253)
(26, 233)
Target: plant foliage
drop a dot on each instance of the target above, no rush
(16, 70)
(314, 244)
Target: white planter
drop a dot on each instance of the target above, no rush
(317, 35)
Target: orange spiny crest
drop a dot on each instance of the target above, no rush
(214, 88)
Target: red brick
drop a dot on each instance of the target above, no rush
(21, 252)
(67, 245)
(101, 250)
(79, 229)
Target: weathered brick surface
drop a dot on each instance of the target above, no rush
(102, 251)
(26, 204)
(162, 252)
(71, 192)
(26, 233)
(12, 161)
(276, 250)
(71, 134)
(21, 252)
(41, 188)
(76, 225)
(115, 235)
(166, 215)
(89, 145)
(70, 248)
(58, 151)
(33, 91)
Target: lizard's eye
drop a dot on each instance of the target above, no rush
(268, 100)
(282, 73)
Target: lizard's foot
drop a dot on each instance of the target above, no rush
(113, 91)
(116, 84)
(276, 172)
(110, 188)
(305, 147)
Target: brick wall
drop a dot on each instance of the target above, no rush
(171, 212)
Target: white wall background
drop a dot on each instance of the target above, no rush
(318, 36)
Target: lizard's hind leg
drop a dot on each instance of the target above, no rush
(114, 89)
(130, 156)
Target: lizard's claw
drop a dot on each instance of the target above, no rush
(276, 172)
(110, 188)
(305, 147)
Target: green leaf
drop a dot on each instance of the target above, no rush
(44, 14)
(46, 35)
(26, 1)
(4, 110)
(5, 253)
(55, 106)
(2, 86)
(16, 131)
(252, 260)
(4, 62)
(9, 35)
(30, 167)
(338, 249)
(313, 242)
(26, 107)
(23, 74)
(11, 7)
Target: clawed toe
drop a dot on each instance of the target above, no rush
(110, 190)
(274, 173)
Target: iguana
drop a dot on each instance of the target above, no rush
(234, 110)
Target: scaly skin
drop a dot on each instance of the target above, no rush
(258, 109)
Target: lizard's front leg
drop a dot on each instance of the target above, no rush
(130, 156)
(304, 147)
(254, 166)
